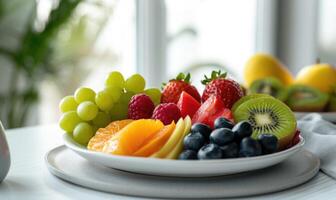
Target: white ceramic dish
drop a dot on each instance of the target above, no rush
(67, 165)
(329, 116)
(179, 168)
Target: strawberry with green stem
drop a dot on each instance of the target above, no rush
(228, 90)
(173, 89)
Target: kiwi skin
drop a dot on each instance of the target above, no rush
(332, 104)
(332, 101)
(275, 88)
(246, 98)
(285, 126)
(303, 98)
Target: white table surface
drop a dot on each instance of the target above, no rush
(29, 178)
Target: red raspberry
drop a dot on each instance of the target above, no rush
(140, 107)
(167, 112)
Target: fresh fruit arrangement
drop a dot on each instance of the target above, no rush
(313, 89)
(178, 123)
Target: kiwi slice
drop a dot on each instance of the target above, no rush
(268, 115)
(306, 99)
(247, 97)
(332, 101)
(270, 86)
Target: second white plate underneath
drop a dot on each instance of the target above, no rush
(296, 170)
(182, 168)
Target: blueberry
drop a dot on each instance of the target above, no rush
(268, 143)
(230, 150)
(188, 155)
(210, 151)
(204, 129)
(241, 130)
(222, 122)
(221, 136)
(193, 141)
(249, 147)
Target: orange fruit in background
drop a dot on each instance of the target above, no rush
(102, 135)
(132, 137)
(156, 142)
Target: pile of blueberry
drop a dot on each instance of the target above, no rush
(225, 141)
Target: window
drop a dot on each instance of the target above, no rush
(210, 33)
(327, 31)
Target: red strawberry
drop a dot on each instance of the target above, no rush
(167, 112)
(140, 107)
(228, 90)
(173, 89)
(187, 105)
(210, 110)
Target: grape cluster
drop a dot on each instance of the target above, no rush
(86, 110)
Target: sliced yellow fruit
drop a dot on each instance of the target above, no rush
(179, 146)
(172, 141)
(132, 137)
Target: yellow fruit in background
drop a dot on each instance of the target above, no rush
(262, 66)
(320, 76)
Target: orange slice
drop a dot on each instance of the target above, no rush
(157, 141)
(102, 135)
(132, 137)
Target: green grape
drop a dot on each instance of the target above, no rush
(69, 120)
(87, 110)
(115, 79)
(119, 111)
(126, 97)
(68, 103)
(114, 91)
(104, 100)
(82, 133)
(101, 120)
(154, 94)
(136, 83)
(84, 94)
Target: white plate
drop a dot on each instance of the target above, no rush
(67, 165)
(182, 168)
(329, 116)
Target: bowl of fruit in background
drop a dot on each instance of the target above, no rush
(312, 90)
(177, 131)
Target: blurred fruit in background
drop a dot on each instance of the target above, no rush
(321, 76)
(306, 99)
(271, 86)
(262, 66)
(313, 90)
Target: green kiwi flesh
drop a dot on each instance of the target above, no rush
(270, 86)
(268, 115)
(306, 99)
(246, 98)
